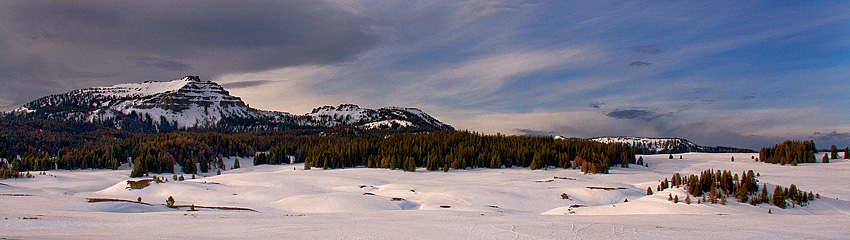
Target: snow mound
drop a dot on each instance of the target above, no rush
(336, 203)
(125, 207)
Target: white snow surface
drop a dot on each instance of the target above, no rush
(138, 89)
(388, 123)
(360, 203)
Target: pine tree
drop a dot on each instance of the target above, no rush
(235, 164)
(670, 157)
(648, 191)
(688, 199)
(409, 165)
(779, 197)
(847, 153)
(169, 202)
(676, 199)
(670, 197)
(825, 158)
(833, 152)
(495, 161)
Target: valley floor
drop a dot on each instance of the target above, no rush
(361, 203)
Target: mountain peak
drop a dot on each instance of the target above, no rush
(192, 78)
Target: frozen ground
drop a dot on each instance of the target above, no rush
(359, 203)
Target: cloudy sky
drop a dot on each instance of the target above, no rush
(739, 73)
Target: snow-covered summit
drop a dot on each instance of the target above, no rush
(350, 114)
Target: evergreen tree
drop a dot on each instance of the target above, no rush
(670, 157)
(138, 169)
(169, 202)
(779, 197)
(676, 199)
(409, 165)
(495, 161)
(825, 158)
(833, 152)
(648, 191)
(236, 164)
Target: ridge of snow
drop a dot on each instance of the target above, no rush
(136, 89)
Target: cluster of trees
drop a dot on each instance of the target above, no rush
(7, 172)
(833, 153)
(789, 152)
(716, 185)
(459, 150)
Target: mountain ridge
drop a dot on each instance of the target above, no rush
(649, 145)
(193, 103)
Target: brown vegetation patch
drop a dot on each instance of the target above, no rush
(139, 184)
(214, 207)
(3, 184)
(576, 206)
(397, 199)
(368, 193)
(96, 200)
(445, 206)
(564, 178)
(541, 181)
(15, 195)
(606, 188)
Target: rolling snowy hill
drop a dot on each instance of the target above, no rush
(190, 102)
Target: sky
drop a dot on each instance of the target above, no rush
(732, 73)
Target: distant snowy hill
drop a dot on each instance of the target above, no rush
(190, 102)
(665, 145)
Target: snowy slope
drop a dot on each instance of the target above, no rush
(359, 203)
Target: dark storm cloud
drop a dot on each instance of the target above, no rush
(634, 114)
(244, 84)
(651, 49)
(823, 140)
(639, 64)
(596, 105)
(71, 42)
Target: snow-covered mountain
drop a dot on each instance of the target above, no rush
(665, 145)
(190, 102)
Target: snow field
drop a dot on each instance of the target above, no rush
(460, 204)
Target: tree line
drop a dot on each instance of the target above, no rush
(444, 150)
(44, 144)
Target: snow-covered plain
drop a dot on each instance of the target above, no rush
(360, 203)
